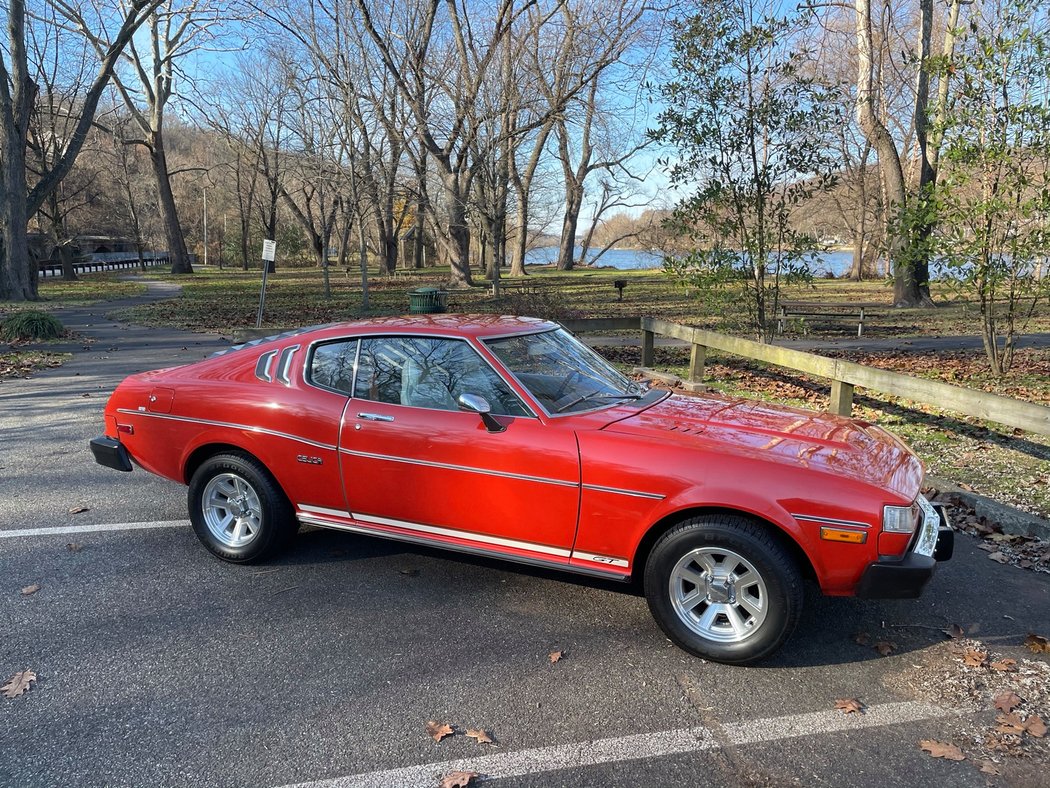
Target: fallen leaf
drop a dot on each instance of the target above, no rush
(30, 589)
(974, 658)
(458, 779)
(987, 767)
(849, 706)
(954, 631)
(73, 547)
(482, 736)
(409, 572)
(555, 656)
(1037, 643)
(78, 509)
(1007, 701)
(939, 749)
(999, 557)
(1009, 723)
(885, 647)
(18, 684)
(1004, 665)
(438, 730)
(1035, 726)
(862, 639)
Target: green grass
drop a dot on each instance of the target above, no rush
(88, 289)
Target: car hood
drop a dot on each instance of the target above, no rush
(820, 441)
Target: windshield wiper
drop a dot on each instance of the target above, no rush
(596, 395)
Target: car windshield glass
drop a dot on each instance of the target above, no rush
(563, 374)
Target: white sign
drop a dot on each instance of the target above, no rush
(269, 250)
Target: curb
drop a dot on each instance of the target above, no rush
(1011, 520)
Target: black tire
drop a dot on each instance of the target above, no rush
(265, 529)
(764, 611)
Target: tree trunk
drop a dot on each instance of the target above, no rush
(17, 277)
(567, 248)
(458, 243)
(169, 215)
(906, 285)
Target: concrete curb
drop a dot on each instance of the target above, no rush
(1011, 520)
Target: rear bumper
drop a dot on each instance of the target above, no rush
(906, 578)
(111, 453)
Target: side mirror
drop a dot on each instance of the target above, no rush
(475, 403)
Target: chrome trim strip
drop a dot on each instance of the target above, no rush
(285, 363)
(447, 466)
(437, 530)
(621, 491)
(323, 510)
(601, 559)
(467, 535)
(829, 520)
(374, 417)
(594, 571)
(231, 425)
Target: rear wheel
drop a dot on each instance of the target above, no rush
(724, 588)
(237, 509)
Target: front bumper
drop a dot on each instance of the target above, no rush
(906, 578)
(111, 453)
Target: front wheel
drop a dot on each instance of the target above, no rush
(723, 587)
(237, 509)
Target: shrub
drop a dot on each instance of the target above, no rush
(32, 324)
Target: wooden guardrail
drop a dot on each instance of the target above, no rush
(845, 375)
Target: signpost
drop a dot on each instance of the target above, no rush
(269, 254)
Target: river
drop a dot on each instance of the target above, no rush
(837, 263)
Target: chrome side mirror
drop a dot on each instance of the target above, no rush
(475, 403)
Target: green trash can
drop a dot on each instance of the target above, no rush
(425, 301)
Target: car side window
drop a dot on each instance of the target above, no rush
(332, 365)
(430, 373)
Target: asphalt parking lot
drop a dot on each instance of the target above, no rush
(158, 665)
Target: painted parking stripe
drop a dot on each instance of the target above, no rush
(639, 746)
(90, 529)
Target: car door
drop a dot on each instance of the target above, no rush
(415, 464)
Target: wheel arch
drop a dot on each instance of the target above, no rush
(206, 451)
(662, 526)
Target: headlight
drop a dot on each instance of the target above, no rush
(900, 519)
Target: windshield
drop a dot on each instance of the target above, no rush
(563, 374)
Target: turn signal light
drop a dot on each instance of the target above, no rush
(843, 535)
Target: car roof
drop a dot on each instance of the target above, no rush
(445, 324)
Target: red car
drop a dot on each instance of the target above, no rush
(508, 437)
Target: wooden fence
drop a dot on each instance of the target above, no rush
(844, 375)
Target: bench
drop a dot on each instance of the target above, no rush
(522, 286)
(823, 312)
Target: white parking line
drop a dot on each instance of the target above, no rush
(639, 746)
(89, 529)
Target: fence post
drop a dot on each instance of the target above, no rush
(696, 363)
(841, 398)
(648, 338)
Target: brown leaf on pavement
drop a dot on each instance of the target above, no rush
(1007, 701)
(849, 706)
(438, 730)
(1009, 723)
(862, 639)
(555, 656)
(1037, 643)
(1035, 726)
(18, 684)
(73, 547)
(973, 658)
(987, 767)
(78, 509)
(954, 631)
(1004, 665)
(998, 557)
(940, 749)
(480, 735)
(458, 779)
(885, 647)
(31, 589)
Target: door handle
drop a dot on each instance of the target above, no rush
(374, 417)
